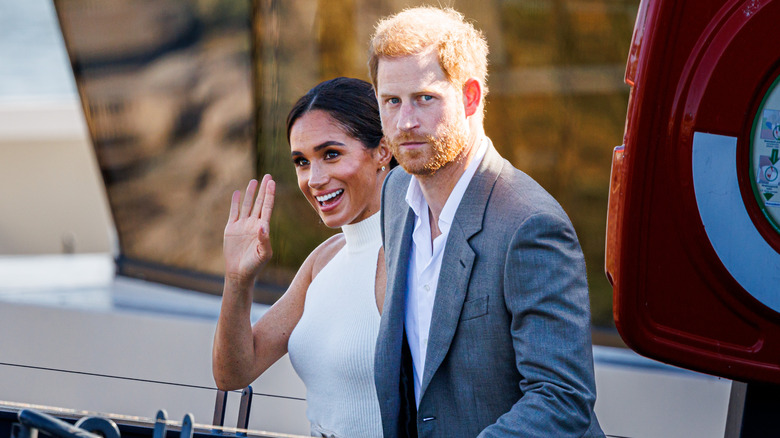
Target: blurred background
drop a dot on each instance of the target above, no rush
(555, 110)
(186, 100)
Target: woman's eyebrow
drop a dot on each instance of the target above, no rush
(319, 147)
(326, 144)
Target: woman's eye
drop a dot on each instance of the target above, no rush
(331, 154)
(300, 162)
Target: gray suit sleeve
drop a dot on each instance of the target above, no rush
(545, 289)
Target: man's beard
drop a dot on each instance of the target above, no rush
(444, 148)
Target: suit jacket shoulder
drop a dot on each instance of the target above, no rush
(514, 196)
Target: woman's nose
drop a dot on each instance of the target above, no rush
(318, 175)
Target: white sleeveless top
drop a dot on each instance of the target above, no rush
(332, 346)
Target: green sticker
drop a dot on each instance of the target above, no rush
(765, 156)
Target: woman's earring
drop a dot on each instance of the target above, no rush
(383, 168)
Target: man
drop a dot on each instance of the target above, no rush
(486, 324)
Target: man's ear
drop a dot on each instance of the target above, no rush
(472, 96)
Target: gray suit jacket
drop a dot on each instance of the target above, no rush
(509, 352)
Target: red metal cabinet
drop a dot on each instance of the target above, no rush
(693, 247)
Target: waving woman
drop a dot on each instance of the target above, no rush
(329, 317)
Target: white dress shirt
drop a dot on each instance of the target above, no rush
(425, 263)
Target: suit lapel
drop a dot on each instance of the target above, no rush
(397, 241)
(457, 263)
(398, 267)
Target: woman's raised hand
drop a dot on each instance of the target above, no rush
(247, 245)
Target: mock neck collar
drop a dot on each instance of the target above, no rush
(363, 234)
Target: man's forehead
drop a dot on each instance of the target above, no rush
(416, 71)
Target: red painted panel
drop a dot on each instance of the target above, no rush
(694, 66)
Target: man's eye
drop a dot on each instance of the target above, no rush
(426, 98)
(394, 101)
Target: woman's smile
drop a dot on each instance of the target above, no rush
(329, 201)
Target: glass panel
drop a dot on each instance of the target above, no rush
(168, 89)
(556, 107)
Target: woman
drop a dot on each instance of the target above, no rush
(329, 317)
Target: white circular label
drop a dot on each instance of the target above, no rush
(750, 260)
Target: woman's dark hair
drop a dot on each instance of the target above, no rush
(351, 102)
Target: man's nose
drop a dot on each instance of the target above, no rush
(407, 117)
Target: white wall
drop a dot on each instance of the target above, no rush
(52, 199)
(642, 398)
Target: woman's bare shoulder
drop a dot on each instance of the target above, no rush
(324, 253)
(315, 261)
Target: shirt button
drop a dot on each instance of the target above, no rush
(427, 288)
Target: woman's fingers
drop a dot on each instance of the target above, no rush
(268, 207)
(251, 206)
(234, 201)
(249, 197)
(257, 209)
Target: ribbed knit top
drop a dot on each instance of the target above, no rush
(332, 346)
